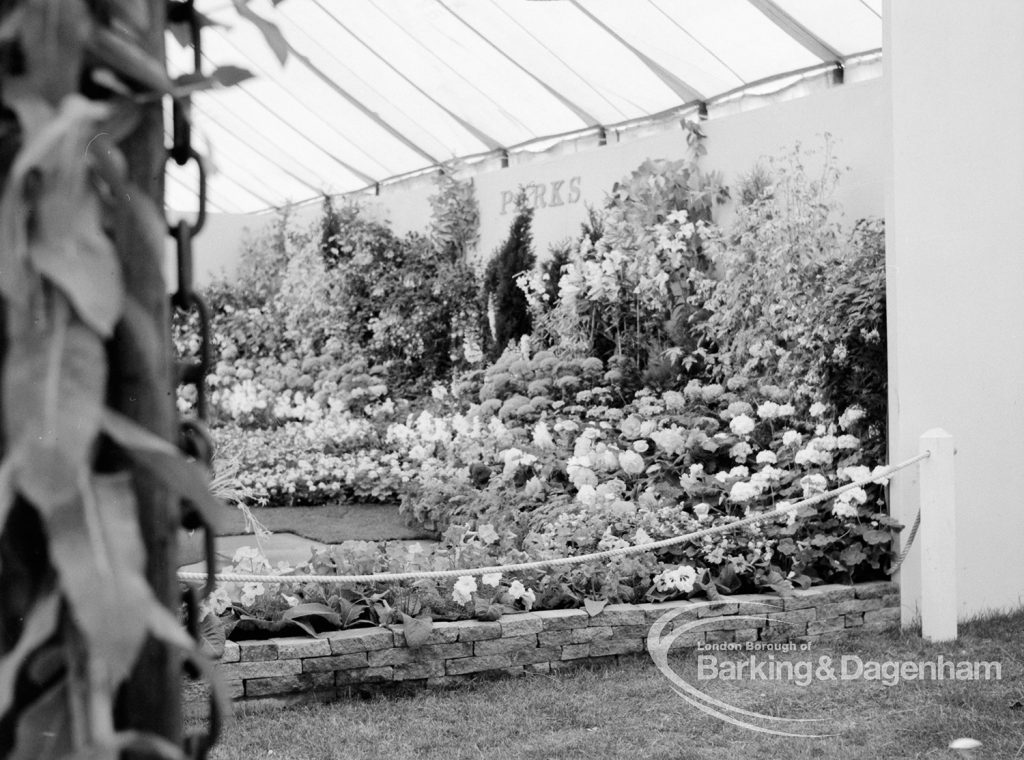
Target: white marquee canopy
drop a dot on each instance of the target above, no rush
(350, 94)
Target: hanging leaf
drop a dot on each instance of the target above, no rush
(278, 44)
(67, 245)
(54, 381)
(416, 630)
(53, 34)
(129, 61)
(223, 76)
(164, 462)
(40, 625)
(97, 549)
(44, 727)
(594, 606)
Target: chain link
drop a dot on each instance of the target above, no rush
(194, 437)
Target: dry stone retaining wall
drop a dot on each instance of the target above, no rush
(285, 671)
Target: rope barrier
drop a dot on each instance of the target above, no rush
(559, 561)
(906, 547)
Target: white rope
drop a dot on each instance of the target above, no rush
(558, 561)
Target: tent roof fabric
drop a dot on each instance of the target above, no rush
(371, 90)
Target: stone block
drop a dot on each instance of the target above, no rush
(586, 635)
(440, 633)
(826, 625)
(616, 646)
(539, 667)
(720, 637)
(261, 669)
(232, 652)
(618, 614)
(394, 656)
(504, 644)
(854, 619)
(678, 611)
(304, 682)
(733, 623)
(834, 609)
(717, 608)
(749, 634)
(575, 651)
(476, 630)
(359, 640)
(296, 648)
(477, 664)
(535, 655)
(334, 662)
(256, 651)
(875, 589)
(425, 669)
(757, 604)
(560, 620)
(791, 617)
(521, 623)
(555, 638)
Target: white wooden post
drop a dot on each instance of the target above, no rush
(937, 538)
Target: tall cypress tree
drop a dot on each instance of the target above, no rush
(515, 255)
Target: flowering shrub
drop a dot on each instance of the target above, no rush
(624, 291)
(795, 300)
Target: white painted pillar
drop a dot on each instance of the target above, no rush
(937, 537)
(955, 279)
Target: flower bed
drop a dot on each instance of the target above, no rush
(285, 671)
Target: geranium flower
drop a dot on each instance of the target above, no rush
(463, 590)
(791, 437)
(768, 410)
(670, 441)
(817, 409)
(249, 593)
(542, 436)
(631, 463)
(491, 579)
(766, 457)
(681, 579)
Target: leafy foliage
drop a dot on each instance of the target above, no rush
(82, 342)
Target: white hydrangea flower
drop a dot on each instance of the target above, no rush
(768, 410)
(741, 424)
(491, 579)
(817, 409)
(742, 492)
(766, 457)
(791, 437)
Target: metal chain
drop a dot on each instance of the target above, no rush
(193, 437)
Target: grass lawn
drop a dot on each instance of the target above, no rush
(630, 711)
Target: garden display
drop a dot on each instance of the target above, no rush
(656, 375)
